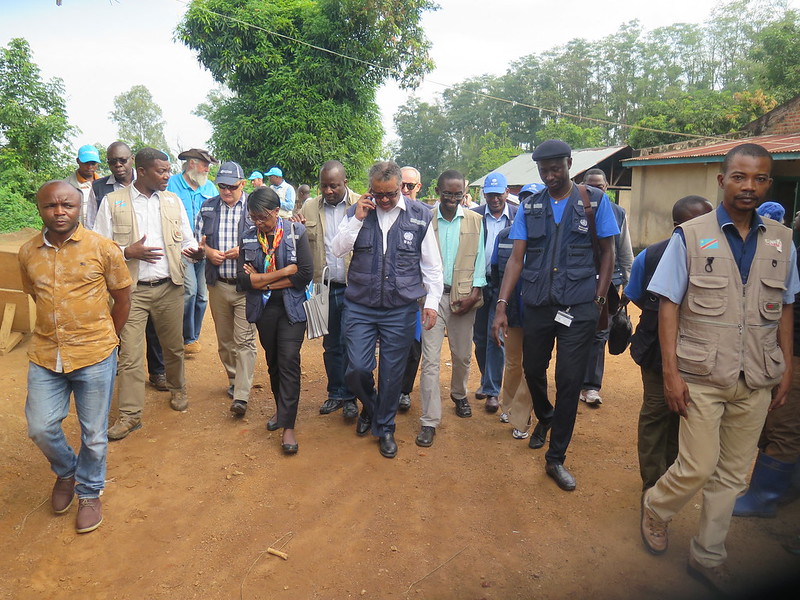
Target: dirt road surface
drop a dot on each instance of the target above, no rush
(194, 500)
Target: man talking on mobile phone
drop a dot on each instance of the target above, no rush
(395, 263)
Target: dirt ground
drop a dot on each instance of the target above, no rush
(194, 499)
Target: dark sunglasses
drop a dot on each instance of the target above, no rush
(224, 186)
(408, 186)
(381, 196)
(117, 161)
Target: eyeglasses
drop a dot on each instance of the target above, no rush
(408, 186)
(451, 195)
(387, 195)
(264, 218)
(231, 188)
(117, 161)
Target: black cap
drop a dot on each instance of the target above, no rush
(552, 149)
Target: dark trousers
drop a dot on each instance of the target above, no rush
(412, 366)
(363, 325)
(541, 333)
(281, 341)
(658, 430)
(595, 365)
(155, 358)
(334, 347)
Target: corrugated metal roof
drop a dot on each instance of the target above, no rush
(778, 145)
(521, 169)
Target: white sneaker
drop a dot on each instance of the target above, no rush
(519, 435)
(504, 417)
(591, 397)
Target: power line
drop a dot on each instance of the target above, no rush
(448, 86)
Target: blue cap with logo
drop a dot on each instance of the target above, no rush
(529, 189)
(274, 171)
(88, 153)
(230, 173)
(495, 183)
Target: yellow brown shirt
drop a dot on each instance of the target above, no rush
(70, 285)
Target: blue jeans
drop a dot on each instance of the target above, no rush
(335, 347)
(491, 357)
(396, 328)
(195, 299)
(48, 405)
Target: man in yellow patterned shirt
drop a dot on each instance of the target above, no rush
(70, 272)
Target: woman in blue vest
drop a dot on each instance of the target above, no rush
(275, 266)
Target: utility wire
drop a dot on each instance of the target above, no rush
(396, 73)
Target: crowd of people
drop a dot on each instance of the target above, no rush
(510, 280)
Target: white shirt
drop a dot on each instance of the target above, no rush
(430, 262)
(148, 221)
(333, 215)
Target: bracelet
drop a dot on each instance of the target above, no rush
(503, 300)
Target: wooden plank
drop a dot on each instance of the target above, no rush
(13, 339)
(10, 277)
(25, 316)
(5, 325)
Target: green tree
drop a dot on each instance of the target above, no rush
(775, 56)
(295, 105)
(424, 138)
(575, 135)
(139, 119)
(34, 130)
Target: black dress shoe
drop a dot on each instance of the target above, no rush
(289, 448)
(239, 408)
(479, 396)
(539, 435)
(272, 424)
(561, 476)
(330, 405)
(388, 447)
(463, 409)
(364, 424)
(405, 403)
(425, 437)
(492, 404)
(349, 410)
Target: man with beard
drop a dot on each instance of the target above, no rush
(153, 230)
(193, 188)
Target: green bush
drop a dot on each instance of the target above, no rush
(16, 212)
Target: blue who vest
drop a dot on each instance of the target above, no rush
(286, 254)
(394, 278)
(209, 227)
(559, 264)
(505, 246)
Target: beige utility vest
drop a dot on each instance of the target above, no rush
(314, 213)
(464, 265)
(727, 328)
(126, 229)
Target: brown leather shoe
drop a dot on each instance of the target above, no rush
(123, 427)
(179, 401)
(90, 515)
(63, 494)
(492, 404)
(159, 381)
(654, 531)
(718, 578)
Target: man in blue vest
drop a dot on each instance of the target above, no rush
(562, 291)
(395, 262)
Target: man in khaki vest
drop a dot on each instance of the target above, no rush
(153, 230)
(459, 233)
(727, 281)
(322, 216)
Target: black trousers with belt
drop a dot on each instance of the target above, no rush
(282, 341)
(574, 342)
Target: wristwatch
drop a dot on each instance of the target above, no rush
(601, 300)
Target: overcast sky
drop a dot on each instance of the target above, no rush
(101, 48)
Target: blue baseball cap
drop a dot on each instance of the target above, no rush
(530, 188)
(230, 173)
(495, 183)
(256, 175)
(773, 210)
(274, 171)
(88, 153)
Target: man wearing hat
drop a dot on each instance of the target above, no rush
(284, 190)
(257, 179)
(82, 178)
(562, 293)
(220, 225)
(193, 188)
(497, 214)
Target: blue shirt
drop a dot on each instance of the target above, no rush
(493, 227)
(603, 218)
(287, 202)
(671, 278)
(635, 288)
(192, 199)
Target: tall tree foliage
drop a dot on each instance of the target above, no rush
(294, 105)
(702, 79)
(34, 130)
(139, 119)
